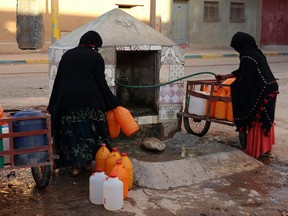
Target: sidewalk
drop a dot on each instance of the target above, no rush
(30, 58)
(190, 53)
(269, 50)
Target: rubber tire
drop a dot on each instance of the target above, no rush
(191, 125)
(42, 175)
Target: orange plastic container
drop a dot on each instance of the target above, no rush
(229, 113)
(101, 157)
(206, 89)
(127, 164)
(122, 174)
(111, 160)
(228, 82)
(126, 121)
(113, 126)
(220, 106)
(212, 106)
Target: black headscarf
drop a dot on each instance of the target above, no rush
(241, 40)
(255, 88)
(91, 38)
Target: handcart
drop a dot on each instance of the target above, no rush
(199, 124)
(41, 170)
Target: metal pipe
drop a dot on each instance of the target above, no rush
(153, 13)
(55, 20)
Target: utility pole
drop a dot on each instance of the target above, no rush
(153, 13)
(55, 20)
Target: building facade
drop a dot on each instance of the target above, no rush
(26, 24)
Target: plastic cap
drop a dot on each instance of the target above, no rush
(115, 149)
(119, 162)
(123, 154)
(99, 170)
(103, 144)
(113, 176)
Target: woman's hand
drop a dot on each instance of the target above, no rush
(220, 77)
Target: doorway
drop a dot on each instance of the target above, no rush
(180, 22)
(274, 22)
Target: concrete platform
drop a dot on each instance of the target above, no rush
(194, 160)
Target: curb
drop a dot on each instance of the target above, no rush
(12, 62)
(191, 56)
(29, 61)
(37, 61)
(187, 56)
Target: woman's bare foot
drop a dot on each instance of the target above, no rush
(75, 172)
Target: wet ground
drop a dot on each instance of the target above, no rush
(259, 192)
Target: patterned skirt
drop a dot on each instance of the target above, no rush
(257, 142)
(80, 135)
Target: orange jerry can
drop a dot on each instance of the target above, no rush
(122, 174)
(111, 160)
(229, 114)
(127, 164)
(221, 107)
(113, 126)
(101, 157)
(126, 121)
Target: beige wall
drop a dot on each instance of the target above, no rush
(73, 14)
(219, 34)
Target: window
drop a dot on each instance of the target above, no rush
(211, 11)
(237, 12)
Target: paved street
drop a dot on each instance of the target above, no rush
(258, 192)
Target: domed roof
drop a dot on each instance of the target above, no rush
(117, 28)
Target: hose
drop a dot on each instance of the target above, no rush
(162, 84)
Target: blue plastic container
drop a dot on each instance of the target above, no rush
(29, 141)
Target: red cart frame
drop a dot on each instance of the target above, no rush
(199, 125)
(42, 172)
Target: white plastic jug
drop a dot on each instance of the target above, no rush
(96, 181)
(197, 105)
(113, 193)
(6, 144)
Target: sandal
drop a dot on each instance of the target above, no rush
(243, 139)
(238, 146)
(268, 154)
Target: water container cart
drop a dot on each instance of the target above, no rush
(196, 124)
(41, 172)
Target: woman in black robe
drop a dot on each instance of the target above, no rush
(79, 99)
(253, 96)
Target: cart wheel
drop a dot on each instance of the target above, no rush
(42, 175)
(196, 127)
